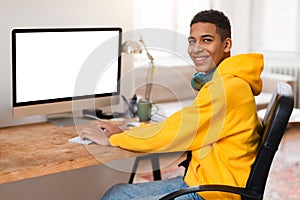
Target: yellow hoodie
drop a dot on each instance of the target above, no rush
(220, 127)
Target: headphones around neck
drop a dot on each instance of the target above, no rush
(200, 78)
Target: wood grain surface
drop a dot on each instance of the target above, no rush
(40, 149)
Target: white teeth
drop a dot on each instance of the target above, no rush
(199, 59)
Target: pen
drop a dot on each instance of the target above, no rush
(131, 111)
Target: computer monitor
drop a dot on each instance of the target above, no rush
(56, 70)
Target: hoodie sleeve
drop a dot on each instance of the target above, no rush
(184, 130)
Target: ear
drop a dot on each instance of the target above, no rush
(227, 45)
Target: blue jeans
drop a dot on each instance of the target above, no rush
(149, 190)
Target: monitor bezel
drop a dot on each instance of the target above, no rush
(64, 99)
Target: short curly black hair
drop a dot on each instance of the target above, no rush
(217, 18)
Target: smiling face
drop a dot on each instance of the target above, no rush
(206, 48)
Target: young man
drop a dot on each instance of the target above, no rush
(220, 127)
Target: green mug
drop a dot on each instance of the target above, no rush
(144, 110)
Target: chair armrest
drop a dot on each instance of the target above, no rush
(221, 188)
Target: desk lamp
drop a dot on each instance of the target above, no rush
(135, 47)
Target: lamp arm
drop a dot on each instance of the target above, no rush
(149, 78)
(150, 57)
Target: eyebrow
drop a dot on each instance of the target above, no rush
(202, 36)
(207, 35)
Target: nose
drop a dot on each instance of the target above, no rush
(197, 48)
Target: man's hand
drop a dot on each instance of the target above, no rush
(99, 132)
(109, 129)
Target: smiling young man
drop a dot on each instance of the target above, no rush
(207, 45)
(220, 127)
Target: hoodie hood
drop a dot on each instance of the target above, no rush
(245, 66)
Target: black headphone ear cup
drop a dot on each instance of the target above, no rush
(198, 80)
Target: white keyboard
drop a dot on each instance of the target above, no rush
(78, 140)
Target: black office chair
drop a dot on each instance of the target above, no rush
(274, 124)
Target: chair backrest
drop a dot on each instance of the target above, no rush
(274, 124)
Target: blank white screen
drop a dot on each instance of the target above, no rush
(48, 63)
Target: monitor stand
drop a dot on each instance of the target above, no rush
(66, 119)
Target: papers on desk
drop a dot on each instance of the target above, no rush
(78, 140)
(158, 117)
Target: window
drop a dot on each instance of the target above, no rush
(279, 26)
(174, 15)
(167, 14)
(274, 24)
(153, 14)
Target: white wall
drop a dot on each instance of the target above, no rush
(51, 13)
(239, 13)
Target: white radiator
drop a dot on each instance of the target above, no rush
(289, 70)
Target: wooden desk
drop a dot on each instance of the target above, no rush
(40, 149)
